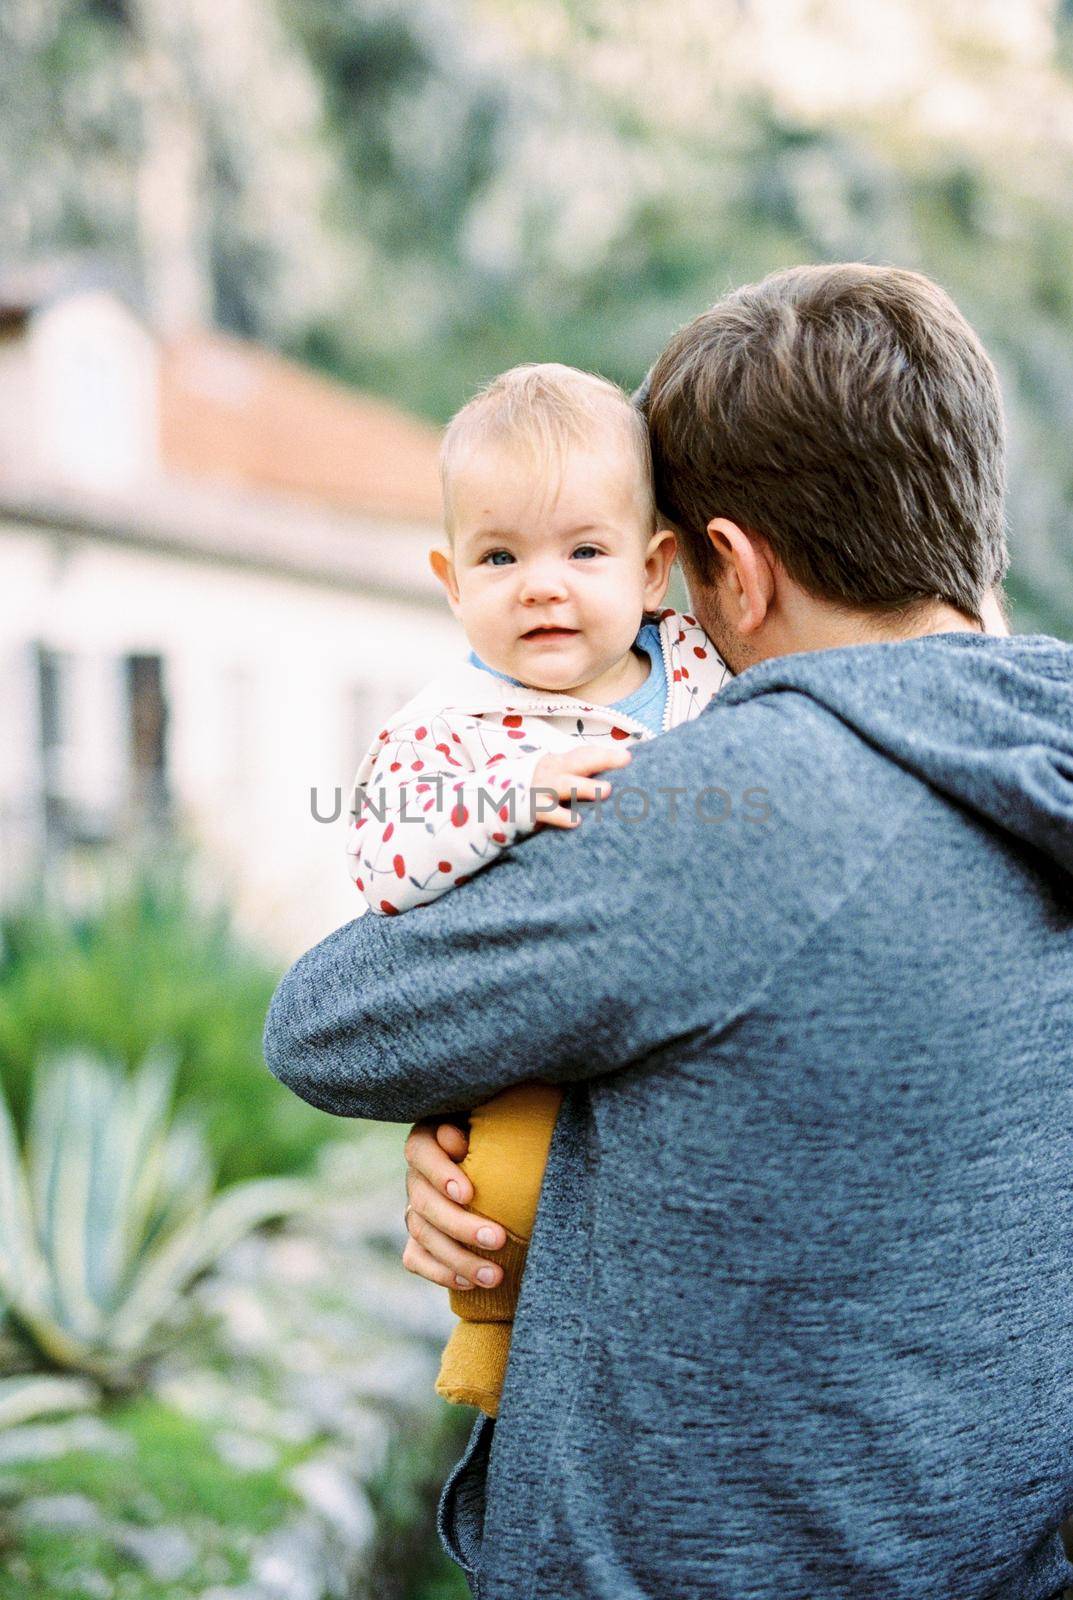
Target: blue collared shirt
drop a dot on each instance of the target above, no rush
(648, 704)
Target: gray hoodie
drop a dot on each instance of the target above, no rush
(798, 1315)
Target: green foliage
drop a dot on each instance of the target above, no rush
(148, 967)
(408, 1559)
(108, 1215)
(172, 1475)
(746, 190)
(376, 66)
(177, 1464)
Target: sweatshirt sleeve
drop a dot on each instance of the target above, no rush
(424, 820)
(562, 960)
(540, 966)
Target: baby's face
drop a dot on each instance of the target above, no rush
(549, 570)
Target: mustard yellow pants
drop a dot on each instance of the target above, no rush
(508, 1150)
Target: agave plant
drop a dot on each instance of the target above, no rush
(108, 1214)
(40, 1394)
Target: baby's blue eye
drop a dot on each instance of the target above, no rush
(493, 558)
(587, 551)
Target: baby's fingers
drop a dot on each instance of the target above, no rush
(590, 758)
(577, 788)
(561, 817)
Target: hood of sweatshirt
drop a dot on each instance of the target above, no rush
(986, 721)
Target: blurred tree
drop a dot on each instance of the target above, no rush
(416, 193)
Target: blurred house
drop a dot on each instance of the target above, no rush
(213, 587)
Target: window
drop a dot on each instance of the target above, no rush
(102, 744)
(117, 11)
(52, 696)
(147, 723)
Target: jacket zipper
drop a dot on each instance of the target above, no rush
(559, 708)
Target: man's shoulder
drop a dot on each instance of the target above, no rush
(779, 773)
(769, 731)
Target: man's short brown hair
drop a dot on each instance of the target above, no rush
(850, 416)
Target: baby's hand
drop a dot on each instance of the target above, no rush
(567, 774)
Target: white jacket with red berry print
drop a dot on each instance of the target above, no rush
(447, 785)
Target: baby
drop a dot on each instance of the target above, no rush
(555, 567)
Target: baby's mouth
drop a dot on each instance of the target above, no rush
(546, 631)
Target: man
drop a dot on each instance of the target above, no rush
(796, 1319)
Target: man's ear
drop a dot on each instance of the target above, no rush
(659, 559)
(748, 566)
(993, 613)
(442, 564)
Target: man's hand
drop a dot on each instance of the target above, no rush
(569, 774)
(436, 1219)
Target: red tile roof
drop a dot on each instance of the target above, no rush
(235, 412)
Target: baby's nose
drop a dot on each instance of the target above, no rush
(542, 583)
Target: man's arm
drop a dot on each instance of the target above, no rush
(561, 960)
(539, 967)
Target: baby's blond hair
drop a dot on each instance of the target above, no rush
(547, 407)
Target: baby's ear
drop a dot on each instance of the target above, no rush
(659, 559)
(442, 564)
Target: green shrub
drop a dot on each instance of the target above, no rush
(107, 1215)
(149, 968)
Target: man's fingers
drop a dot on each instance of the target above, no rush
(416, 1259)
(451, 1139)
(425, 1155)
(461, 1263)
(463, 1270)
(453, 1220)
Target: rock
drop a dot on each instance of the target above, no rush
(242, 1311)
(367, 1436)
(61, 1511)
(245, 1452)
(401, 1375)
(165, 1553)
(315, 1334)
(327, 1488)
(399, 1300)
(207, 1396)
(47, 1441)
(86, 1583)
(296, 1260)
(293, 1564)
(320, 1394)
(242, 1591)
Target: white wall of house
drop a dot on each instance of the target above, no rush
(272, 685)
(78, 395)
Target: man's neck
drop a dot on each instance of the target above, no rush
(804, 624)
(826, 627)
